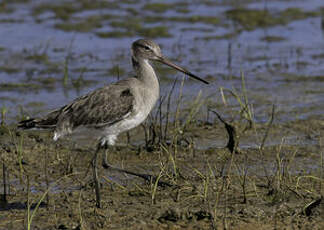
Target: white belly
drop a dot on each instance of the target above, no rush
(109, 134)
(126, 124)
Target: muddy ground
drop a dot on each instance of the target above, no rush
(278, 186)
(54, 52)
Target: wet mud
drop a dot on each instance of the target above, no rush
(264, 62)
(275, 186)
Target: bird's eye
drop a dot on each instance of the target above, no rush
(147, 48)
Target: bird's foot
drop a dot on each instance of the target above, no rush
(146, 177)
(106, 165)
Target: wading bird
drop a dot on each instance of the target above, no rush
(112, 109)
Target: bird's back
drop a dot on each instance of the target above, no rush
(102, 107)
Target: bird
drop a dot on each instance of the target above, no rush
(112, 109)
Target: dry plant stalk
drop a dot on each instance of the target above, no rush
(233, 137)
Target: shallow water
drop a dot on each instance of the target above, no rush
(42, 67)
(287, 73)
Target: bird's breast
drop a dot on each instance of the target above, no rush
(131, 121)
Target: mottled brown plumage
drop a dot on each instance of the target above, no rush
(112, 109)
(104, 106)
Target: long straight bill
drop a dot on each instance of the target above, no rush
(183, 70)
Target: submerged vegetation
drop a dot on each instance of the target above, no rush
(251, 19)
(121, 28)
(273, 39)
(158, 7)
(152, 32)
(218, 37)
(248, 19)
(65, 10)
(163, 7)
(233, 159)
(62, 11)
(18, 86)
(84, 26)
(290, 77)
(9, 70)
(211, 187)
(213, 20)
(116, 71)
(5, 9)
(134, 27)
(115, 34)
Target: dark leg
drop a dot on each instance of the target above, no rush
(95, 176)
(104, 156)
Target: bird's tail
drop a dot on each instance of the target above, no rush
(27, 124)
(48, 122)
(35, 123)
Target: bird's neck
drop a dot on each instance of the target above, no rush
(145, 72)
(150, 89)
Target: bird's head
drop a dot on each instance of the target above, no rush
(145, 49)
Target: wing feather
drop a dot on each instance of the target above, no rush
(104, 106)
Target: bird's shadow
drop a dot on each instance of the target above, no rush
(7, 206)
